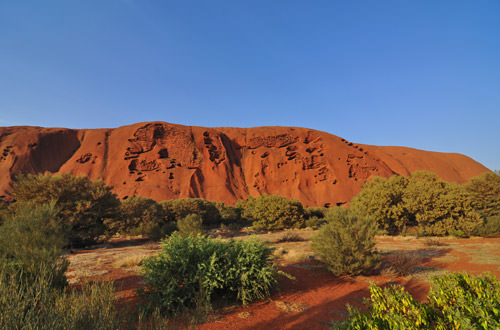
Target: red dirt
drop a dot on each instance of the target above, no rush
(318, 296)
(166, 161)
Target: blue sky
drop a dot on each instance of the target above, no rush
(423, 74)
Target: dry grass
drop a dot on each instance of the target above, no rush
(401, 263)
(288, 307)
(130, 261)
(290, 237)
(434, 242)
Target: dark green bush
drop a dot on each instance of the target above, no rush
(32, 239)
(142, 216)
(489, 228)
(315, 216)
(190, 225)
(191, 267)
(271, 212)
(485, 194)
(179, 208)
(455, 301)
(36, 304)
(424, 201)
(346, 244)
(84, 205)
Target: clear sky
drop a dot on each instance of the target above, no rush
(416, 73)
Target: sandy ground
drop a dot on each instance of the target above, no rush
(315, 297)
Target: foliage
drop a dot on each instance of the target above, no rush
(36, 304)
(231, 214)
(4, 211)
(142, 216)
(346, 244)
(191, 224)
(32, 239)
(315, 216)
(439, 207)
(490, 227)
(84, 205)
(383, 200)
(485, 193)
(455, 301)
(191, 267)
(271, 212)
(423, 200)
(179, 208)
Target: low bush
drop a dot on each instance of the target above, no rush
(190, 225)
(194, 267)
(455, 301)
(177, 209)
(271, 212)
(84, 206)
(490, 227)
(290, 237)
(142, 216)
(32, 239)
(346, 244)
(36, 304)
(401, 263)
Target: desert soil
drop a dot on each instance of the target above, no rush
(315, 297)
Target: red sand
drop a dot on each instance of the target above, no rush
(321, 296)
(166, 161)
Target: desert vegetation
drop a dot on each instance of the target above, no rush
(195, 272)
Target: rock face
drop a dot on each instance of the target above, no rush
(166, 161)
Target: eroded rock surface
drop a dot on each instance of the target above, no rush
(165, 161)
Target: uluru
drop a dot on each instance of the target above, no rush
(166, 161)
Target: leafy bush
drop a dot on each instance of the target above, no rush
(84, 205)
(191, 224)
(271, 212)
(191, 267)
(290, 237)
(423, 200)
(179, 208)
(455, 301)
(142, 216)
(346, 244)
(490, 227)
(36, 304)
(32, 239)
(485, 193)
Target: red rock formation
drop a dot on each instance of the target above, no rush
(165, 161)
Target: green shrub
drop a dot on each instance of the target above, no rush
(179, 208)
(191, 224)
(142, 216)
(489, 228)
(84, 205)
(455, 301)
(191, 267)
(424, 201)
(315, 216)
(271, 212)
(32, 239)
(485, 194)
(36, 304)
(346, 244)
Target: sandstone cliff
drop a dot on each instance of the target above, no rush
(166, 161)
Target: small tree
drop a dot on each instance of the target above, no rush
(143, 216)
(271, 212)
(346, 244)
(84, 205)
(31, 241)
(383, 200)
(190, 225)
(179, 208)
(485, 194)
